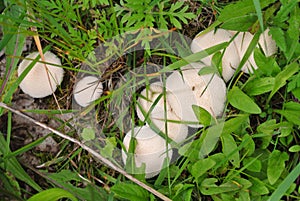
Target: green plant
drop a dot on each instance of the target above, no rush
(251, 153)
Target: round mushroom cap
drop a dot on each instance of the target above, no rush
(207, 91)
(87, 90)
(267, 43)
(162, 111)
(151, 149)
(41, 82)
(184, 94)
(230, 59)
(242, 42)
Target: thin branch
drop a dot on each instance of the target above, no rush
(91, 151)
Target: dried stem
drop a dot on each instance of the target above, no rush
(91, 151)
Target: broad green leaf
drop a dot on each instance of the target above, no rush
(267, 65)
(209, 187)
(209, 139)
(249, 146)
(258, 187)
(229, 148)
(52, 194)
(130, 192)
(294, 148)
(276, 165)
(240, 23)
(243, 7)
(244, 184)
(292, 106)
(267, 127)
(252, 164)
(282, 77)
(203, 116)
(238, 99)
(296, 92)
(183, 192)
(201, 167)
(258, 86)
(291, 112)
(236, 124)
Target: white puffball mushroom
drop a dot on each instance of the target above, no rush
(41, 82)
(162, 112)
(243, 40)
(87, 90)
(230, 59)
(151, 149)
(207, 91)
(185, 95)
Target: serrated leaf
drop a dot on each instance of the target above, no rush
(279, 36)
(229, 148)
(130, 192)
(284, 11)
(238, 99)
(201, 167)
(276, 165)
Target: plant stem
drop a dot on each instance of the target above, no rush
(91, 151)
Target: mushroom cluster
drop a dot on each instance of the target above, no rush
(168, 106)
(235, 50)
(42, 80)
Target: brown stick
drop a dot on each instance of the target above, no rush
(91, 151)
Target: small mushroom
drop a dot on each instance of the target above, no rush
(230, 59)
(87, 90)
(150, 149)
(207, 91)
(41, 82)
(242, 41)
(162, 111)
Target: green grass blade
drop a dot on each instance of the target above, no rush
(259, 13)
(285, 184)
